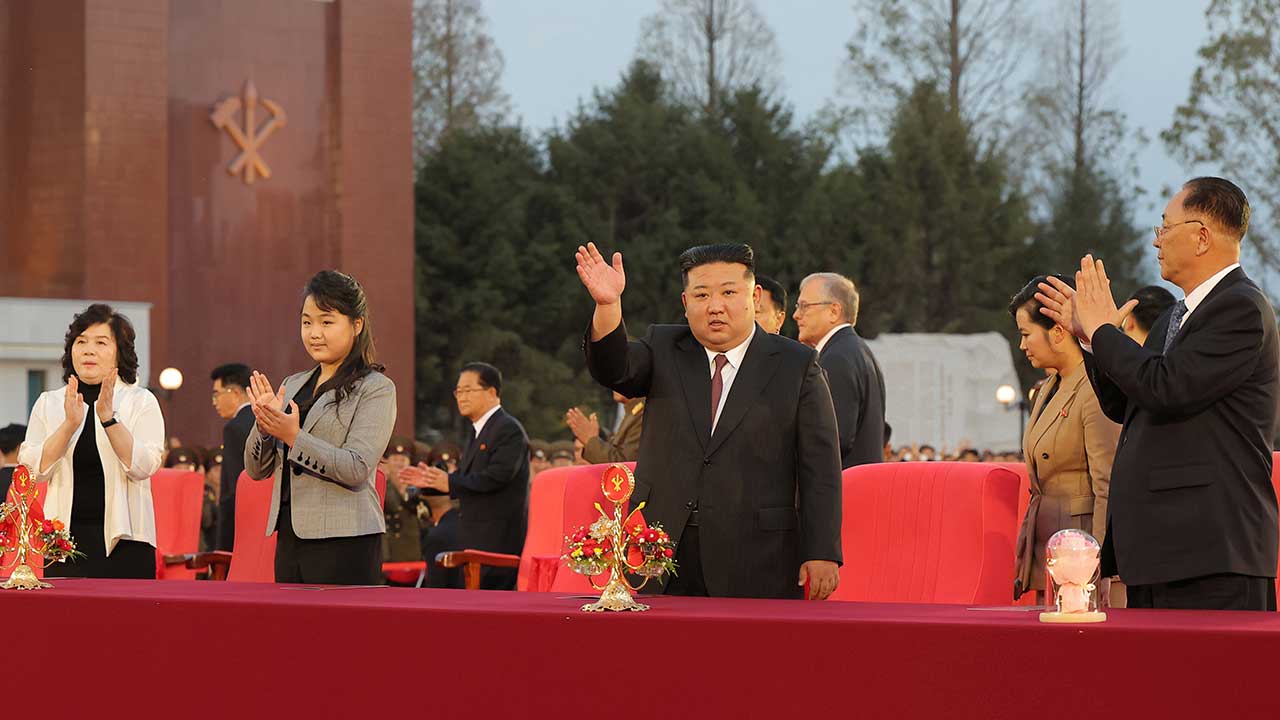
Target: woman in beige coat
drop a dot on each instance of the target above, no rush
(1069, 444)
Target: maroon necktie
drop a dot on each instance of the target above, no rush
(717, 387)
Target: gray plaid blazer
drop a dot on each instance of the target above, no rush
(334, 461)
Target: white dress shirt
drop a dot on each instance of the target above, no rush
(129, 511)
(729, 372)
(479, 424)
(826, 338)
(1197, 296)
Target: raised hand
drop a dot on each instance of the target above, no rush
(261, 395)
(73, 403)
(1094, 305)
(104, 407)
(605, 282)
(1057, 300)
(583, 428)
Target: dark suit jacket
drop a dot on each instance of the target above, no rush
(6, 479)
(1191, 491)
(234, 434)
(438, 538)
(857, 390)
(492, 484)
(766, 484)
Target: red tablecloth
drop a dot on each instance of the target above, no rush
(231, 650)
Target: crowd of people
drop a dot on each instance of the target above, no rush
(740, 435)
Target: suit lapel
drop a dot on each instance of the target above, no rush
(1052, 412)
(758, 367)
(1202, 309)
(695, 377)
(833, 339)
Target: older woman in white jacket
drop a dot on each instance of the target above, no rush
(97, 442)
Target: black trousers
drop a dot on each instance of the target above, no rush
(326, 561)
(130, 559)
(1224, 591)
(688, 580)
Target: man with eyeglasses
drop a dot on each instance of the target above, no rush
(1192, 518)
(231, 400)
(826, 313)
(491, 483)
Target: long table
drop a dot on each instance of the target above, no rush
(179, 649)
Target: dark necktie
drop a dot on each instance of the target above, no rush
(717, 387)
(1175, 323)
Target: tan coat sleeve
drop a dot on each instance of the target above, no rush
(1100, 439)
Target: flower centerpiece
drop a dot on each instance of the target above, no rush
(24, 530)
(616, 545)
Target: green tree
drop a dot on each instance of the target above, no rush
(942, 238)
(1085, 149)
(490, 284)
(1227, 120)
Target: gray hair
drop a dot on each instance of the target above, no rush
(840, 290)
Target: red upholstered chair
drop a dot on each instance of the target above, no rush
(559, 499)
(934, 532)
(254, 556)
(1024, 499)
(178, 497)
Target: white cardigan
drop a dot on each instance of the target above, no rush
(130, 513)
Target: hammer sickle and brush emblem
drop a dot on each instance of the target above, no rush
(249, 137)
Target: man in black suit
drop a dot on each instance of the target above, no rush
(739, 459)
(492, 481)
(1192, 514)
(231, 400)
(826, 313)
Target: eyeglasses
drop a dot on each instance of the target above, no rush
(1162, 229)
(803, 307)
(463, 391)
(221, 391)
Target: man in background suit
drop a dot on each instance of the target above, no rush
(826, 313)
(739, 459)
(231, 400)
(771, 306)
(1192, 514)
(622, 446)
(492, 480)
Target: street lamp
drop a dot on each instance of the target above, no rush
(170, 379)
(1007, 396)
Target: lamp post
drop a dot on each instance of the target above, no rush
(1007, 396)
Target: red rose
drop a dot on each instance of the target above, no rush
(64, 545)
(668, 552)
(46, 527)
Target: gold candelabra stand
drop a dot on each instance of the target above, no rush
(17, 515)
(616, 594)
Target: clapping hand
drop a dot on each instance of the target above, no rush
(105, 396)
(425, 476)
(583, 428)
(73, 403)
(1086, 308)
(605, 282)
(268, 409)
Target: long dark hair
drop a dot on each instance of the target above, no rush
(333, 291)
(121, 328)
